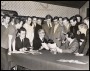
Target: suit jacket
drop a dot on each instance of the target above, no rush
(74, 29)
(72, 48)
(36, 30)
(57, 35)
(47, 30)
(19, 44)
(37, 43)
(85, 45)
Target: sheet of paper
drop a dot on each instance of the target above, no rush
(72, 61)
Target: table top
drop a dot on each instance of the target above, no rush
(48, 61)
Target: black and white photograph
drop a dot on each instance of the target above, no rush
(45, 35)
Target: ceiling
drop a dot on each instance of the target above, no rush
(74, 4)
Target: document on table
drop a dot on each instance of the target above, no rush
(35, 52)
(72, 61)
(17, 52)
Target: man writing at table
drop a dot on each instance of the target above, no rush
(71, 47)
(22, 43)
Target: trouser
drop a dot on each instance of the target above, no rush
(4, 59)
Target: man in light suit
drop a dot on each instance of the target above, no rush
(56, 32)
(47, 26)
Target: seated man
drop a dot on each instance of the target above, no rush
(22, 43)
(39, 41)
(72, 46)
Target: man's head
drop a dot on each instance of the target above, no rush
(22, 32)
(70, 36)
(41, 33)
(55, 20)
(28, 20)
(48, 19)
(6, 18)
(79, 18)
(39, 21)
(60, 20)
(82, 28)
(18, 23)
(65, 21)
(86, 21)
(73, 20)
(34, 20)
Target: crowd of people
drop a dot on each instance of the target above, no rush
(57, 35)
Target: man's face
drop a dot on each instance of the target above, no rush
(22, 34)
(86, 22)
(29, 20)
(7, 19)
(60, 20)
(42, 34)
(73, 23)
(34, 20)
(39, 21)
(67, 37)
(48, 21)
(78, 19)
(19, 25)
(65, 22)
(55, 21)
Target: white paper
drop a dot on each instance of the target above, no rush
(72, 61)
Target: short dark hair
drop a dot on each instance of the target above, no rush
(48, 17)
(56, 17)
(65, 18)
(60, 17)
(40, 30)
(71, 35)
(22, 29)
(34, 17)
(28, 17)
(6, 15)
(39, 18)
(17, 20)
(77, 15)
(73, 18)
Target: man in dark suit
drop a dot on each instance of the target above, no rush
(22, 43)
(47, 26)
(37, 42)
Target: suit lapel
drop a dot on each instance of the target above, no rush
(58, 28)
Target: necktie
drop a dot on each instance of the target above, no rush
(22, 43)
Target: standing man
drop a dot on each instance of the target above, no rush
(4, 43)
(56, 32)
(47, 26)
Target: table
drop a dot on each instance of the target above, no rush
(48, 61)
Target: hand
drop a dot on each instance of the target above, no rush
(44, 45)
(41, 48)
(21, 49)
(25, 49)
(78, 32)
(59, 50)
(80, 43)
(82, 40)
(63, 41)
(9, 53)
